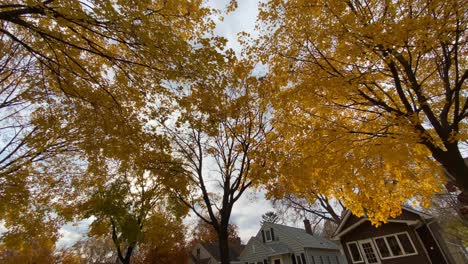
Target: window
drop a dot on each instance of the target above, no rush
(382, 247)
(368, 251)
(268, 235)
(354, 252)
(395, 245)
(406, 243)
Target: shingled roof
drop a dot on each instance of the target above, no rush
(213, 249)
(306, 239)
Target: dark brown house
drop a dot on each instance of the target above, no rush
(413, 237)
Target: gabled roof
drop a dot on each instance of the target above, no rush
(340, 231)
(305, 239)
(213, 249)
(200, 261)
(273, 248)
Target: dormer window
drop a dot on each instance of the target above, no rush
(268, 236)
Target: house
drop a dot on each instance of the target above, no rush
(280, 244)
(412, 237)
(208, 253)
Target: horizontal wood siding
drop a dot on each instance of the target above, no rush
(292, 243)
(248, 255)
(314, 255)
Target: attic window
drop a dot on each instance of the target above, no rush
(268, 235)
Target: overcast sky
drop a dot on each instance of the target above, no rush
(249, 209)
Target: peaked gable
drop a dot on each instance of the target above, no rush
(350, 221)
(295, 237)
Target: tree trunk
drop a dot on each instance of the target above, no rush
(455, 165)
(128, 256)
(457, 169)
(223, 244)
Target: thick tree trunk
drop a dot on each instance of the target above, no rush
(224, 244)
(457, 169)
(455, 165)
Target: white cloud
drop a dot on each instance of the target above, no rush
(241, 20)
(247, 213)
(72, 232)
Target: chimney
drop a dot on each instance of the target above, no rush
(307, 226)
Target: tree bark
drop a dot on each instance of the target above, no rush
(224, 244)
(455, 165)
(128, 256)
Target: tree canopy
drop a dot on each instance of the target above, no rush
(130, 113)
(370, 98)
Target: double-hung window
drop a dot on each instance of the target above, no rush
(395, 245)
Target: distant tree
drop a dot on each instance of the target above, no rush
(449, 210)
(164, 242)
(269, 217)
(328, 229)
(127, 190)
(90, 250)
(33, 243)
(221, 120)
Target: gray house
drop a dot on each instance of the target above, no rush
(208, 253)
(280, 244)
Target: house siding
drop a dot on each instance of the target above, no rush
(319, 256)
(293, 244)
(248, 254)
(366, 230)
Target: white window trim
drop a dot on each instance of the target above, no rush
(374, 250)
(266, 237)
(399, 244)
(351, 254)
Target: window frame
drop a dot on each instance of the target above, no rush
(399, 244)
(351, 253)
(268, 231)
